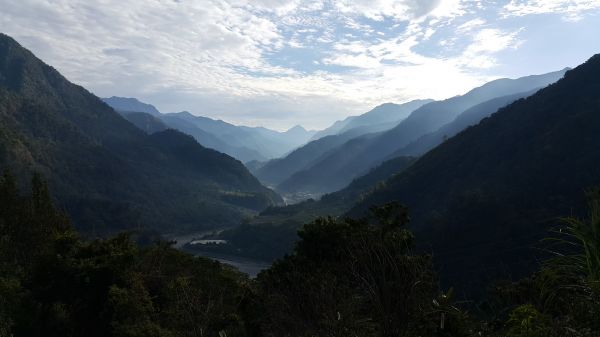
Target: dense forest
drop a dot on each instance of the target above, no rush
(345, 277)
(478, 215)
(109, 174)
(481, 200)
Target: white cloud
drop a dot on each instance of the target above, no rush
(571, 10)
(401, 10)
(236, 59)
(487, 42)
(470, 25)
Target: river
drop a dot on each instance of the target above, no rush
(247, 266)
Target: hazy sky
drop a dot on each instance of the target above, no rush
(279, 63)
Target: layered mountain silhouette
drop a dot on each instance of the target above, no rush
(242, 142)
(145, 121)
(131, 105)
(106, 172)
(481, 200)
(468, 118)
(272, 234)
(485, 196)
(380, 118)
(208, 139)
(357, 156)
(276, 171)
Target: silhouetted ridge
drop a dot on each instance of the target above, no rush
(487, 195)
(354, 157)
(108, 173)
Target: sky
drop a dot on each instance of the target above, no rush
(278, 63)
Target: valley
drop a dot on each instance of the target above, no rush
(299, 168)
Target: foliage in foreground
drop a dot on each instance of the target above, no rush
(346, 277)
(54, 284)
(355, 278)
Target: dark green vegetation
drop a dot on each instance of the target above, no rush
(54, 284)
(355, 156)
(481, 200)
(344, 278)
(272, 234)
(469, 117)
(208, 139)
(480, 204)
(145, 121)
(109, 174)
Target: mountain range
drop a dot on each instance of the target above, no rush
(423, 128)
(485, 175)
(380, 118)
(385, 116)
(481, 200)
(106, 172)
(493, 190)
(241, 142)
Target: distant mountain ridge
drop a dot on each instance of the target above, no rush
(382, 117)
(356, 156)
(131, 104)
(272, 234)
(275, 171)
(242, 142)
(487, 195)
(145, 121)
(106, 172)
(469, 117)
(480, 201)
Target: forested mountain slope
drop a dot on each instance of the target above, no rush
(109, 174)
(483, 197)
(357, 156)
(382, 117)
(145, 121)
(241, 142)
(468, 118)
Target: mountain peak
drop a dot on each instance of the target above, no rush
(131, 104)
(98, 162)
(296, 128)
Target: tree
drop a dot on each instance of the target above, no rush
(353, 277)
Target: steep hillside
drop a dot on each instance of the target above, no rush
(210, 140)
(272, 234)
(280, 172)
(432, 116)
(355, 157)
(468, 118)
(109, 174)
(268, 143)
(144, 121)
(241, 142)
(329, 174)
(483, 197)
(276, 171)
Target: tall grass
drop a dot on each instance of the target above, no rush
(580, 241)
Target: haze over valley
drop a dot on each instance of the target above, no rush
(300, 168)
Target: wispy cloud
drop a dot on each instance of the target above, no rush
(275, 62)
(570, 9)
